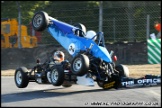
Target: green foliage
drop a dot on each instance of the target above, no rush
(10, 9)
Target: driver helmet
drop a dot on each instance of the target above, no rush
(59, 56)
(82, 28)
(90, 35)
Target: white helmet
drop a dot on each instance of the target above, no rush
(59, 56)
(90, 35)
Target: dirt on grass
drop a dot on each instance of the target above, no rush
(135, 71)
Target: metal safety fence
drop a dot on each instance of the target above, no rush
(119, 20)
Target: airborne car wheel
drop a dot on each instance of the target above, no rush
(57, 75)
(21, 78)
(123, 70)
(80, 65)
(40, 21)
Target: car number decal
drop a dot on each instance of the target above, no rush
(71, 48)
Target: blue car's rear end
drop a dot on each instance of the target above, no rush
(65, 35)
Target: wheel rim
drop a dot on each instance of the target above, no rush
(19, 77)
(49, 76)
(54, 76)
(77, 64)
(37, 20)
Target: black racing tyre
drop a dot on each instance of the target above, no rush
(123, 70)
(21, 77)
(67, 84)
(48, 74)
(57, 75)
(82, 28)
(40, 21)
(80, 65)
(100, 83)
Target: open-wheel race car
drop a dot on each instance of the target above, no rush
(91, 61)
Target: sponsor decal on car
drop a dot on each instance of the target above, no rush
(109, 85)
(71, 48)
(142, 82)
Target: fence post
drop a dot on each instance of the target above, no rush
(114, 28)
(19, 25)
(100, 16)
(130, 20)
(148, 27)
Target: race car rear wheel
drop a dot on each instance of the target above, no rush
(21, 78)
(100, 83)
(80, 65)
(113, 82)
(123, 70)
(40, 21)
(57, 75)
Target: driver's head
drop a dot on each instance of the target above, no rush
(91, 35)
(59, 56)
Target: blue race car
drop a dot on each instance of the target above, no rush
(91, 59)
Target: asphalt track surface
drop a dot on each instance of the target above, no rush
(40, 95)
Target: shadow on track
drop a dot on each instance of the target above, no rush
(30, 95)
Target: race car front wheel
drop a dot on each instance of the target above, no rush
(49, 76)
(21, 78)
(123, 70)
(57, 75)
(80, 65)
(40, 21)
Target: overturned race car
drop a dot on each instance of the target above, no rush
(91, 61)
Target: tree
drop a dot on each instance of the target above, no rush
(9, 9)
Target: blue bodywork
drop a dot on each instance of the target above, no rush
(64, 34)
